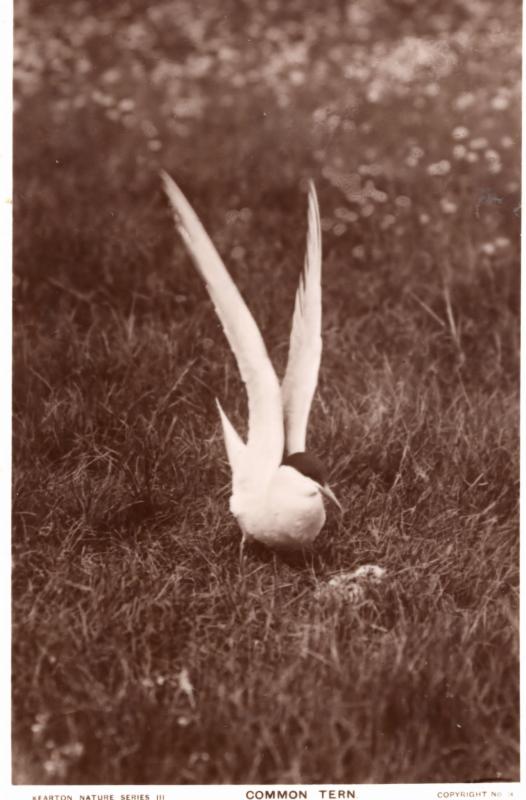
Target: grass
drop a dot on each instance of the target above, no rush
(141, 654)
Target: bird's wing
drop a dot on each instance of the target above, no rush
(265, 434)
(301, 375)
(235, 447)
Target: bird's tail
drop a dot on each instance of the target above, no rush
(235, 448)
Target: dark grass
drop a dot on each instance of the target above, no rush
(141, 653)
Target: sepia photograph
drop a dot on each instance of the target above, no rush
(266, 328)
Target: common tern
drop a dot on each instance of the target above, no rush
(277, 488)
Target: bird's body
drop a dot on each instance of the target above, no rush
(277, 501)
(286, 513)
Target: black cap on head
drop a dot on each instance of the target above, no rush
(308, 465)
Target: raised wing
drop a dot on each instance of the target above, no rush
(265, 434)
(301, 375)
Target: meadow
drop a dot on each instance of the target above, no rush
(141, 652)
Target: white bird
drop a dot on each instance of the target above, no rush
(275, 499)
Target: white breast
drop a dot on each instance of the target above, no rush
(288, 513)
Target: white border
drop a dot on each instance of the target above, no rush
(6, 160)
(446, 791)
(417, 791)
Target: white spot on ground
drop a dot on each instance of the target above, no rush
(351, 586)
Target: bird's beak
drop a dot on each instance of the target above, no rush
(327, 491)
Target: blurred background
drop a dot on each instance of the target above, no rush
(407, 113)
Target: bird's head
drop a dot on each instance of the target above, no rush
(311, 467)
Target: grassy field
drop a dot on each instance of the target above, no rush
(141, 653)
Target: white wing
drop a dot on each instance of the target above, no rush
(301, 375)
(265, 434)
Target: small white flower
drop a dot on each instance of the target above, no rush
(73, 750)
(487, 248)
(460, 132)
(297, 77)
(387, 221)
(464, 100)
(439, 168)
(374, 94)
(185, 685)
(424, 218)
(339, 229)
(502, 242)
(506, 142)
(238, 252)
(432, 89)
(402, 201)
(448, 206)
(37, 728)
(149, 129)
(127, 104)
(358, 251)
(417, 152)
(491, 155)
(111, 75)
(459, 151)
(333, 122)
(500, 103)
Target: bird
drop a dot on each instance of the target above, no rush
(277, 486)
